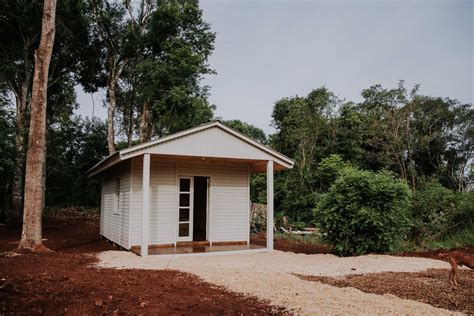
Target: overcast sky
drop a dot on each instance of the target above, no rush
(267, 50)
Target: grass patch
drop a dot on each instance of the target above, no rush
(459, 239)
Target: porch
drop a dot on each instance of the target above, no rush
(200, 248)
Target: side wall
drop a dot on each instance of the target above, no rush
(114, 219)
(228, 205)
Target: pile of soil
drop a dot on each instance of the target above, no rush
(290, 245)
(63, 282)
(429, 287)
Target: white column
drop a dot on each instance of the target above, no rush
(146, 205)
(270, 205)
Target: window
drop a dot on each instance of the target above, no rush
(117, 196)
(184, 212)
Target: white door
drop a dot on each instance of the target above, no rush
(185, 209)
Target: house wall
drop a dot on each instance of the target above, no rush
(114, 219)
(228, 203)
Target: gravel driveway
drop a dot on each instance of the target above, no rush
(270, 276)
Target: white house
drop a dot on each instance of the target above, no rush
(191, 186)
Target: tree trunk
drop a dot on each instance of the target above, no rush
(145, 131)
(111, 89)
(17, 188)
(128, 122)
(116, 68)
(31, 236)
(22, 97)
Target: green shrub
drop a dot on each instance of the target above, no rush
(328, 170)
(363, 212)
(463, 218)
(434, 208)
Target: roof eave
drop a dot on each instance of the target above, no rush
(104, 164)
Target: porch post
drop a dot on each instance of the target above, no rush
(270, 205)
(146, 205)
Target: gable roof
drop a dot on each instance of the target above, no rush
(212, 139)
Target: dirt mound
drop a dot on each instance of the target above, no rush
(430, 286)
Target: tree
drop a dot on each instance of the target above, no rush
(249, 130)
(306, 132)
(152, 60)
(7, 153)
(74, 146)
(36, 154)
(20, 25)
(109, 33)
(167, 71)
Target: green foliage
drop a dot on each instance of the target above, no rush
(249, 130)
(363, 212)
(164, 72)
(74, 146)
(414, 136)
(329, 169)
(464, 215)
(433, 210)
(7, 153)
(304, 133)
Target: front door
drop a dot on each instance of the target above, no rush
(200, 187)
(192, 208)
(185, 214)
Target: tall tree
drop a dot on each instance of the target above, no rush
(306, 132)
(109, 33)
(173, 47)
(20, 29)
(36, 154)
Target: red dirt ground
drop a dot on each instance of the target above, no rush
(290, 245)
(429, 286)
(62, 282)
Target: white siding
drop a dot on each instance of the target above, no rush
(163, 202)
(229, 200)
(115, 222)
(229, 203)
(211, 142)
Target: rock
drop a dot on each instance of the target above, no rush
(99, 302)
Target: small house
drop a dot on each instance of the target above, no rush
(188, 188)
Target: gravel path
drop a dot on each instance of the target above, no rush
(270, 276)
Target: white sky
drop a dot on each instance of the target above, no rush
(266, 50)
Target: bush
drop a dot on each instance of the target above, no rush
(463, 218)
(434, 208)
(364, 212)
(328, 170)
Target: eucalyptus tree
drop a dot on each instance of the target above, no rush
(165, 74)
(20, 29)
(109, 36)
(31, 235)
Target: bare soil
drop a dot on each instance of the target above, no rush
(290, 245)
(429, 286)
(63, 282)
